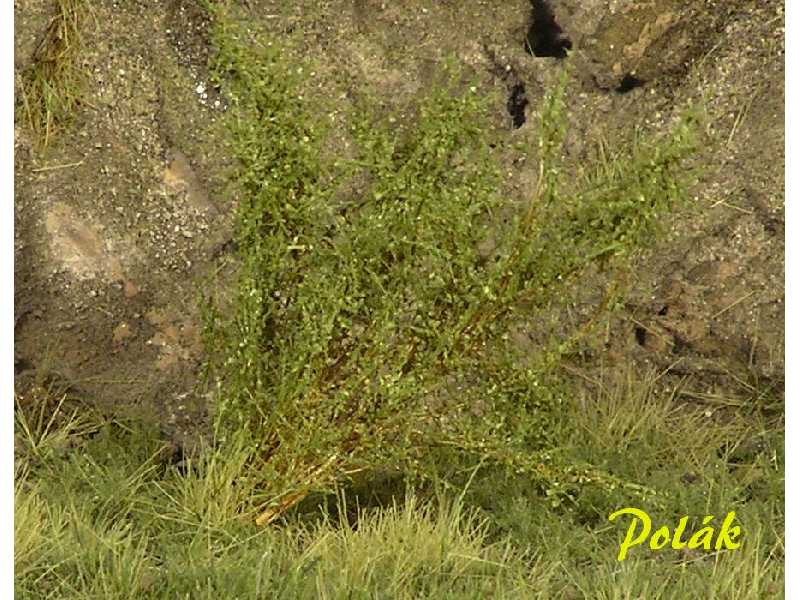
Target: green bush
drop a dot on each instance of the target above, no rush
(368, 329)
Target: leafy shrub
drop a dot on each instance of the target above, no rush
(368, 330)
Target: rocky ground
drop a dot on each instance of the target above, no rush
(124, 219)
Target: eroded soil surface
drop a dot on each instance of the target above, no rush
(124, 219)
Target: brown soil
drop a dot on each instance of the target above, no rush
(123, 220)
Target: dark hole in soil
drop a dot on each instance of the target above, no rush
(517, 102)
(628, 83)
(663, 311)
(641, 335)
(544, 34)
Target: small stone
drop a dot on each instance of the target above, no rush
(130, 289)
(122, 332)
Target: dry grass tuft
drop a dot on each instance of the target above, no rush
(50, 84)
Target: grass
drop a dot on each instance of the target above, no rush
(112, 518)
(367, 333)
(50, 86)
